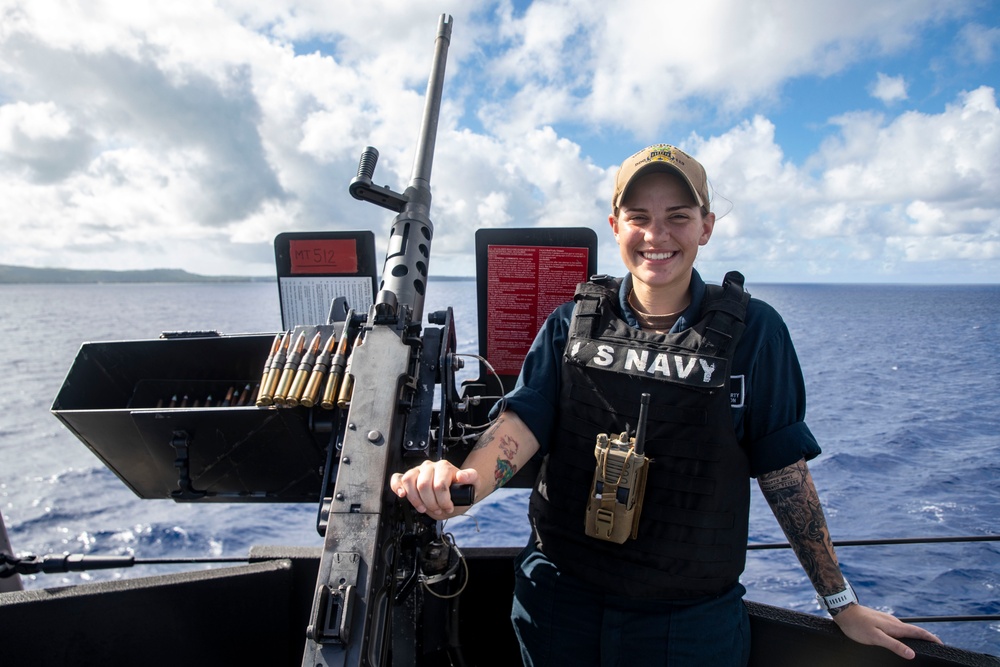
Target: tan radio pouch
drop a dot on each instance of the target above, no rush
(619, 484)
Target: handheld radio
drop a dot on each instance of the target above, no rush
(615, 500)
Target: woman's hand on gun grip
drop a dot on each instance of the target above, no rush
(428, 487)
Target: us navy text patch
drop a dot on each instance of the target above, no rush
(673, 366)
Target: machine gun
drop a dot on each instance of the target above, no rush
(176, 418)
(375, 549)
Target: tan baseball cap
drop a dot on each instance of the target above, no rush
(662, 157)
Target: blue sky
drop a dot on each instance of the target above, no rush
(847, 142)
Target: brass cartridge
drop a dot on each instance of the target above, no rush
(337, 364)
(304, 369)
(272, 370)
(263, 399)
(322, 365)
(288, 372)
(347, 384)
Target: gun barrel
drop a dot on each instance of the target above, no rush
(405, 272)
(424, 158)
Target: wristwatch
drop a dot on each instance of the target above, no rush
(838, 600)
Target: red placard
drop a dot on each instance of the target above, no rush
(323, 256)
(526, 284)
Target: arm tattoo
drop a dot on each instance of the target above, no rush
(505, 461)
(508, 446)
(782, 479)
(796, 506)
(505, 470)
(487, 437)
(505, 464)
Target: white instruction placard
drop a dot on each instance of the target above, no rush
(307, 301)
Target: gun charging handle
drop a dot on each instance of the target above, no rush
(362, 188)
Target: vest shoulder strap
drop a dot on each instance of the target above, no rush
(590, 298)
(724, 311)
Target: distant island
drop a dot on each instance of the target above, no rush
(10, 275)
(25, 275)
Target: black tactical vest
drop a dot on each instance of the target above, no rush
(692, 533)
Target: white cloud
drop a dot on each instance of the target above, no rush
(643, 66)
(189, 134)
(888, 89)
(978, 43)
(915, 188)
(948, 157)
(40, 140)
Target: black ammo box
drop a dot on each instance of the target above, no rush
(166, 416)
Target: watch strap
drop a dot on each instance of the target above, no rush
(838, 600)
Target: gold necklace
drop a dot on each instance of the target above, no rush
(660, 323)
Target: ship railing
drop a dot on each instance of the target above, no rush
(903, 541)
(11, 565)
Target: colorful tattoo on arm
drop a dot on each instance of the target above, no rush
(504, 471)
(505, 464)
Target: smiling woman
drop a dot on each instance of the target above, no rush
(586, 591)
(659, 220)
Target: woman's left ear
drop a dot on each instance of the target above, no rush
(708, 223)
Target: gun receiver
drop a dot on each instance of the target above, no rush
(375, 549)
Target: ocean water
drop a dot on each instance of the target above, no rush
(904, 397)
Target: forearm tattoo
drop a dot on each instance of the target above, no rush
(506, 467)
(505, 464)
(487, 437)
(795, 503)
